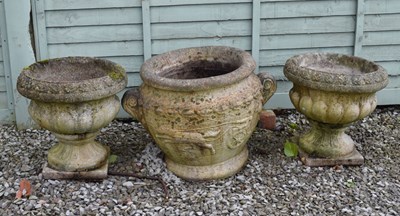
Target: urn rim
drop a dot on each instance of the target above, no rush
(336, 72)
(71, 79)
(154, 69)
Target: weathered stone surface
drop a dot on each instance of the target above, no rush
(352, 159)
(74, 97)
(71, 79)
(201, 106)
(336, 73)
(98, 173)
(332, 91)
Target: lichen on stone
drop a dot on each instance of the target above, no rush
(116, 73)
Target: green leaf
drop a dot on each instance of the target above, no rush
(293, 126)
(291, 149)
(112, 159)
(350, 183)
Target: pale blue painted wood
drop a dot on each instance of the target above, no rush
(130, 63)
(6, 87)
(382, 6)
(89, 4)
(114, 30)
(392, 67)
(295, 41)
(3, 103)
(3, 84)
(96, 49)
(255, 35)
(382, 38)
(382, 53)
(215, 29)
(2, 71)
(87, 17)
(146, 16)
(307, 25)
(394, 81)
(6, 115)
(161, 46)
(20, 52)
(359, 32)
(40, 29)
(134, 79)
(276, 71)
(83, 34)
(192, 2)
(295, 9)
(382, 22)
(279, 57)
(388, 96)
(201, 12)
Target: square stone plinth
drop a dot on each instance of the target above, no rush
(353, 159)
(97, 174)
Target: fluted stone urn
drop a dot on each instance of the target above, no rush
(332, 91)
(74, 97)
(201, 105)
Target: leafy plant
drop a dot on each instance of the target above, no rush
(290, 149)
(293, 125)
(112, 159)
(350, 183)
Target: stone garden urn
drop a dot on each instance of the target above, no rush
(74, 97)
(201, 105)
(332, 91)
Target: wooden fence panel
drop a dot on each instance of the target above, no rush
(130, 31)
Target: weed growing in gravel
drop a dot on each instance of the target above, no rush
(290, 149)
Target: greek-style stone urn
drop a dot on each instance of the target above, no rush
(201, 105)
(74, 97)
(332, 91)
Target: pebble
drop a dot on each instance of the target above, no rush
(270, 183)
(128, 184)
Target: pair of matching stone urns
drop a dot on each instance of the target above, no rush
(200, 105)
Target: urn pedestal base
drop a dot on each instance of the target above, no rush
(77, 157)
(353, 159)
(97, 174)
(215, 171)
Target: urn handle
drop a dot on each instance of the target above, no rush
(269, 85)
(132, 104)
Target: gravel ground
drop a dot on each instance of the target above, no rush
(270, 184)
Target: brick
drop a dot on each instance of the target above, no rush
(267, 120)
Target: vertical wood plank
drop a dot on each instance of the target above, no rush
(146, 29)
(359, 31)
(17, 15)
(255, 36)
(6, 59)
(39, 29)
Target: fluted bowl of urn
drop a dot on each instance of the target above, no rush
(332, 91)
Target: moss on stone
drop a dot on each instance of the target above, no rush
(117, 73)
(44, 61)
